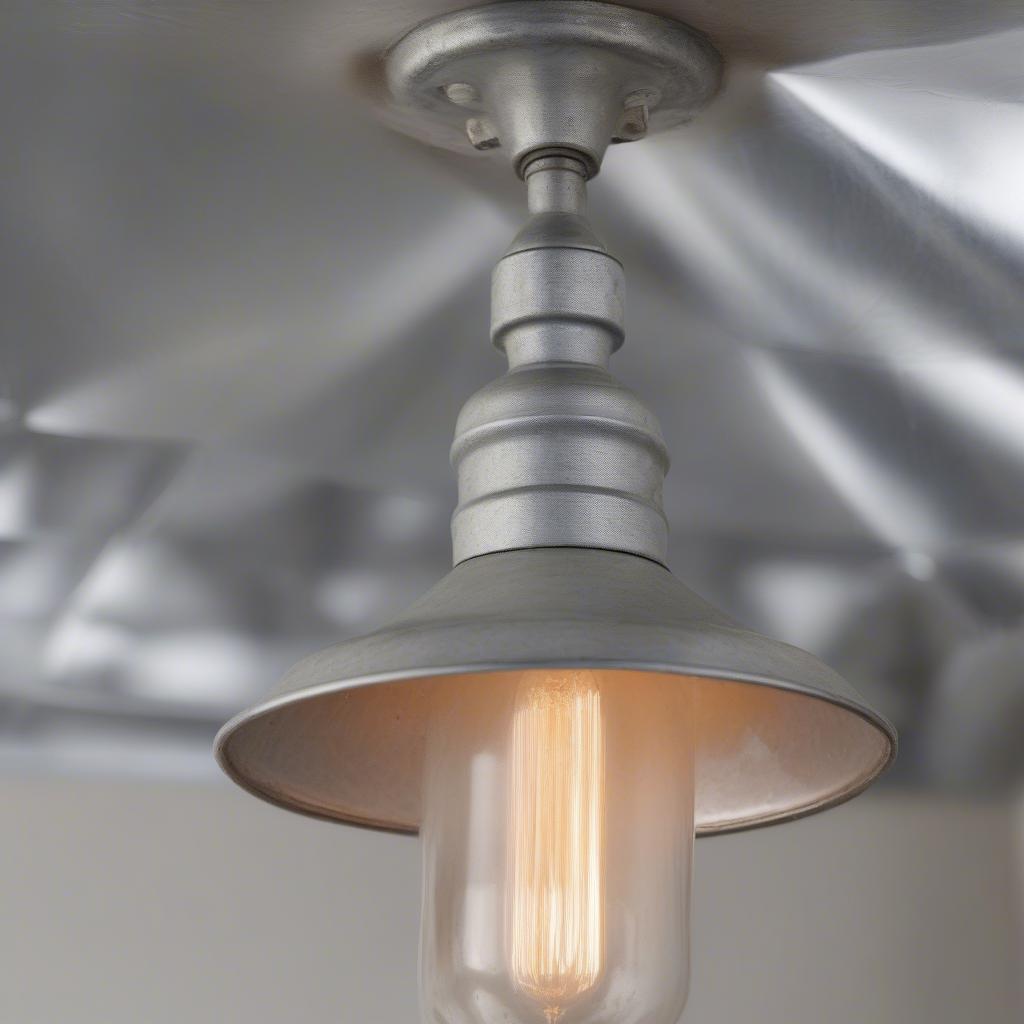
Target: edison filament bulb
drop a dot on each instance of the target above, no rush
(555, 889)
(557, 837)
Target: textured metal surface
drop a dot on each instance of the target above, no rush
(239, 316)
(530, 76)
(560, 473)
(780, 734)
(557, 453)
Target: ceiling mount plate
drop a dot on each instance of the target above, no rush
(550, 75)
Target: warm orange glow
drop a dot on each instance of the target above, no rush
(556, 841)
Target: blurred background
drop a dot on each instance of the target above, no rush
(238, 316)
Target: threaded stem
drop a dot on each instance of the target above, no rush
(556, 184)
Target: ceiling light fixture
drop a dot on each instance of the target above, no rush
(559, 715)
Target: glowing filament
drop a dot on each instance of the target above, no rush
(556, 876)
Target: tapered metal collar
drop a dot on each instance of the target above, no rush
(558, 453)
(779, 734)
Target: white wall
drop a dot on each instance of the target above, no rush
(150, 903)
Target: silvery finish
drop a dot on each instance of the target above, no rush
(570, 74)
(341, 737)
(557, 453)
(240, 313)
(560, 473)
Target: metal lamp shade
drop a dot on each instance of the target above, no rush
(779, 734)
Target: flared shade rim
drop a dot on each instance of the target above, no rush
(783, 735)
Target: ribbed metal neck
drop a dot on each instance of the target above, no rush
(558, 453)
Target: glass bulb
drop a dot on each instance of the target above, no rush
(557, 836)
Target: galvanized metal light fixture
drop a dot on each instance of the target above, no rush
(559, 715)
